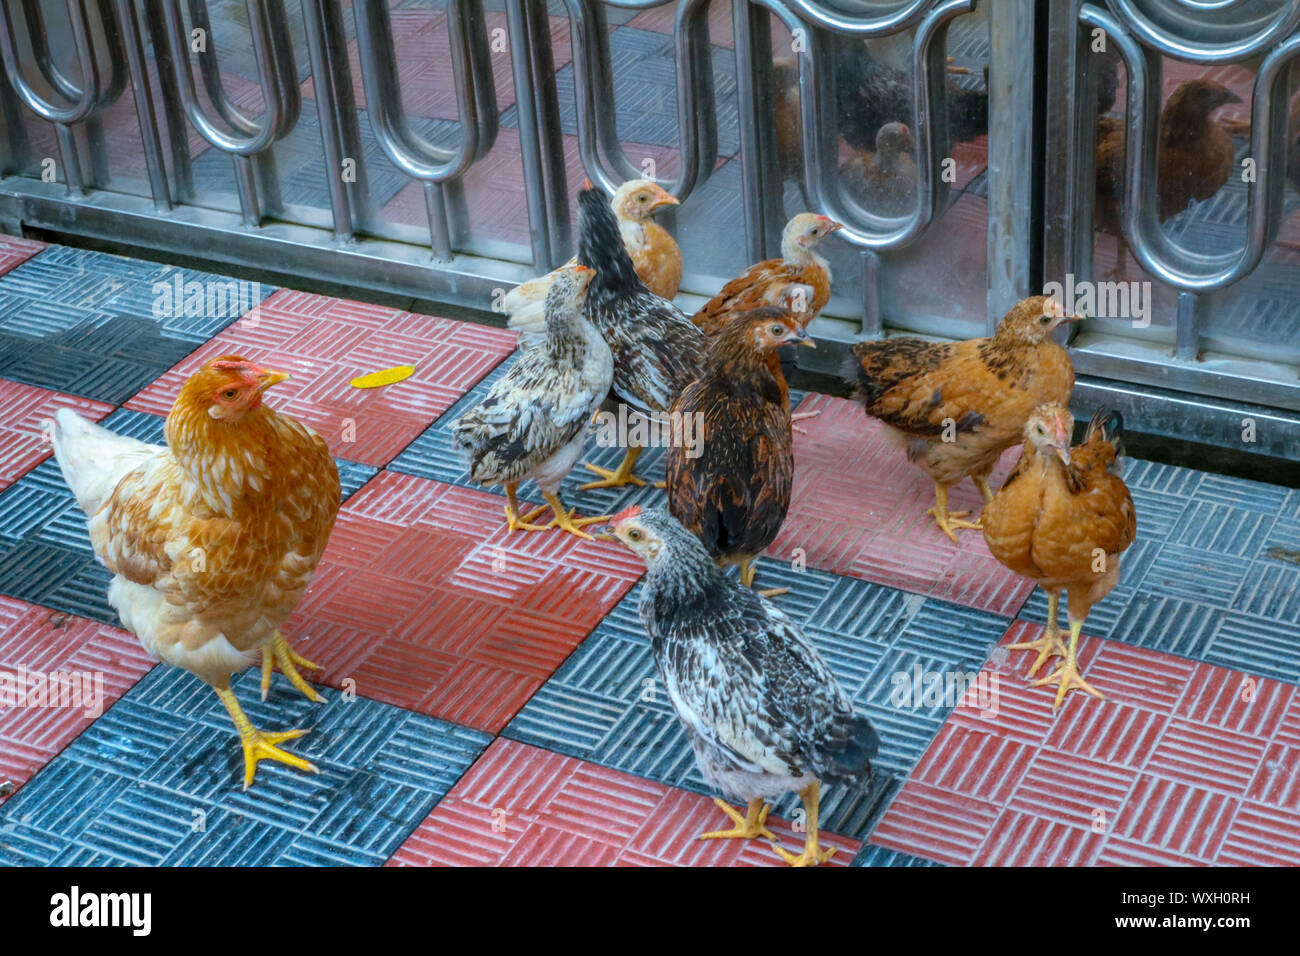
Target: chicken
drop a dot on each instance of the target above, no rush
(885, 181)
(763, 712)
(213, 539)
(1194, 158)
(655, 256)
(657, 351)
(954, 407)
(1063, 518)
(1293, 145)
(731, 487)
(767, 282)
(533, 421)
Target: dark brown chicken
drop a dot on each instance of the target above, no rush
(884, 181)
(731, 485)
(954, 407)
(1063, 518)
(1194, 159)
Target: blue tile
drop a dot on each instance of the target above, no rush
(605, 703)
(871, 855)
(157, 780)
(97, 325)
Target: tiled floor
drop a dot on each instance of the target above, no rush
(491, 696)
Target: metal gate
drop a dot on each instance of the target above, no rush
(431, 148)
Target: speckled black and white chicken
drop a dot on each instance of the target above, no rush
(657, 350)
(761, 708)
(533, 422)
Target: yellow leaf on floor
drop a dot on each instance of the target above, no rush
(387, 377)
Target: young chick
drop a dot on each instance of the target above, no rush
(764, 283)
(533, 422)
(731, 487)
(884, 182)
(213, 539)
(954, 407)
(1062, 519)
(1194, 158)
(657, 351)
(655, 256)
(763, 712)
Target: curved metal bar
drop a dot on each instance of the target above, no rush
(149, 139)
(1160, 39)
(271, 51)
(899, 19)
(602, 153)
(1159, 254)
(408, 150)
(84, 99)
(862, 228)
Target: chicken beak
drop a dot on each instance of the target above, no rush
(1063, 453)
(270, 377)
(666, 198)
(834, 227)
(604, 532)
(803, 338)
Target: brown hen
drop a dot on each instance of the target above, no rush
(884, 181)
(954, 407)
(1194, 159)
(1062, 519)
(731, 485)
(768, 282)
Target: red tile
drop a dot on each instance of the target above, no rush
(523, 806)
(858, 508)
(24, 409)
(1022, 839)
(937, 824)
(15, 250)
(37, 641)
(424, 600)
(327, 342)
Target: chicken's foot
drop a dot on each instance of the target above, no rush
(749, 827)
(277, 651)
(259, 744)
(620, 476)
(982, 483)
(811, 855)
(800, 416)
(948, 521)
(514, 520)
(1050, 644)
(1066, 676)
(565, 520)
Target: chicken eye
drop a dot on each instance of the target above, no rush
(778, 330)
(643, 198)
(230, 394)
(634, 535)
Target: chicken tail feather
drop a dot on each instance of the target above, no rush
(849, 763)
(93, 459)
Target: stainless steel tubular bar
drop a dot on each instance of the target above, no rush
(140, 89)
(80, 102)
(1269, 29)
(273, 54)
(520, 15)
(411, 152)
(325, 80)
(1159, 255)
(602, 154)
(869, 232)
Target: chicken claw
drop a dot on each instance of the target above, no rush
(749, 827)
(812, 855)
(947, 521)
(277, 651)
(620, 476)
(565, 520)
(1050, 644)
(259, 744)
(1066, 676)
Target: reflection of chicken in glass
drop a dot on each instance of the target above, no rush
(1194, 159)
(884, 182)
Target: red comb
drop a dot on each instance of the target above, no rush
(631, 511)
(231, 364)
(586, 184)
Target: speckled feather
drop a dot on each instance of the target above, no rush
(762, 709)
(657, 352)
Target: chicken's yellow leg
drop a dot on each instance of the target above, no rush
(946, 520)
(565, 520)
(620, 476)
(277, 651)
(514, 520)
(811, 855)
(1066, 675)
(982, 483)
(751, 826)
(747, 571)
(258, 744)
(1049, 645)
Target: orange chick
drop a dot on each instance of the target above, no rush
(954, 407)
(767, 282)
(1062, 519)
(212, 539)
